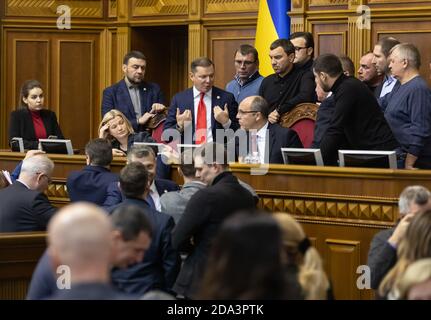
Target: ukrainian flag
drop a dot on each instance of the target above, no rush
(272, 23)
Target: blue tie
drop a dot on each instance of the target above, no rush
(151, 202)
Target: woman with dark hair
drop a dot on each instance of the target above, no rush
(246, 261)
(31, 121)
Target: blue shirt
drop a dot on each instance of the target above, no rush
(408, 112)
(247, 89)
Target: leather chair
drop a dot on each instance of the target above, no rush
(301, 119)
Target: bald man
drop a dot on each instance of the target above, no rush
(130, 234)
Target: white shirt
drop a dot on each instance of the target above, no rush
(155, 196)
(208, 105)
(262, 144)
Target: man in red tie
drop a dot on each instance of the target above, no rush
(199, 111)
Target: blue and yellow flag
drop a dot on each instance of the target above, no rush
(272, 23)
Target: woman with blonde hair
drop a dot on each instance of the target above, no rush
(415, 245)
(118, 130)
(303, 260)
(415, 284)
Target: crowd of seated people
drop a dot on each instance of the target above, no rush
(387, 108)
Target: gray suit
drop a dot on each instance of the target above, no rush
(174, 202)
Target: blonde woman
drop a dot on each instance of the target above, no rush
(303, 260)
(117, 129)
(415, 284)
(415, 245)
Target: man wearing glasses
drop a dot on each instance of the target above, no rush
(24, 206)
(304, 50)
(247, 79)
(290, 85)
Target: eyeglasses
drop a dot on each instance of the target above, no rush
(244, 112)
(245, 62)
(300, 48)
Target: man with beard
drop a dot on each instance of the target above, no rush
(137, 99)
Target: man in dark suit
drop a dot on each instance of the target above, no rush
(81, 243)
(161, 263)
(205, 212)
(382, 255)
(91, 183)
(137, 99)
(131, 237)
(199, 111)
(23, 205)
(265, 139)
(146, 156)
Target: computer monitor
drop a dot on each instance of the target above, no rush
(59, 146)
(367, 159)
(311, 157)
(17, 144)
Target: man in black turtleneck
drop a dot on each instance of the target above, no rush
(291, 84)
(357, 122)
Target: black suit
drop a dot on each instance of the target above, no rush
(204, 213)
(22, 209)
(161, 262)
(21, 125)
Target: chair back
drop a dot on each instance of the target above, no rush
(302, 119)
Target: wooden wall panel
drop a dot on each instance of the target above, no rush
(221, 46)
(68, 65)
(330, 38)
(76, 97)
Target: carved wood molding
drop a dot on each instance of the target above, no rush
(301, 111)
(224, 6)
(159, 7)
(328, 2)
(353, 213)
(48, 8)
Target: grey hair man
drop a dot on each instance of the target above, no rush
(382, 255)
(24, 206)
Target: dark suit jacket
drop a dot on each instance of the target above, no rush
(204, 213)
(90, 184)
(22, 209)
(21, 125)
(184, 100)
(161, 262)
(381, 257)
(117, 97)
(114, 195)
(278, 138)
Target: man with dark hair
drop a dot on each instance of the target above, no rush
(381, 61)
(160, 266)
(367, 72)
(290, 85)
(131, 237)
(265, 138)
(358, 122)
(91, 183)
(205, 212)
(174, 202)
(199, 111)
(146, 156)
(247, 79)
(137, 99)
(304, 49)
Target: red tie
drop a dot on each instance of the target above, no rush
(201, 123)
